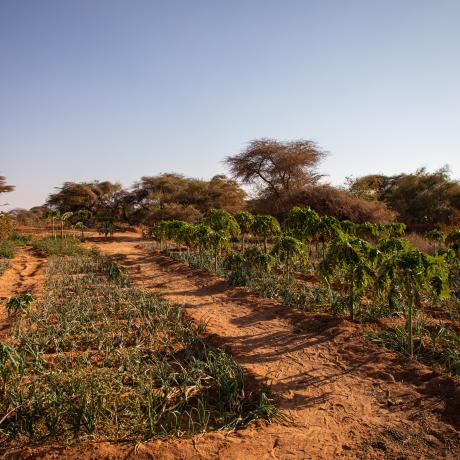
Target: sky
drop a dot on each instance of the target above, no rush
(119, 89)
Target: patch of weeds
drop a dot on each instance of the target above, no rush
(436, 345)
(19, 303)
(97, 358)
(60, 246)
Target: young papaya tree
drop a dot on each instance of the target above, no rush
(348, 227)
(174, 231)
(453, 241)
(437, 237)
(265, 227)
(289, 250)
(262, 262)
(367, 231)
(414, 271)
(53, 215)
(356, 259)
(186, 236)
(302, 223)
(245, 221)
(202, 238)
(81, 219)
(64, 218)
(218, 241)
(222, 221)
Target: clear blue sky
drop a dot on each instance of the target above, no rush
(111, 89)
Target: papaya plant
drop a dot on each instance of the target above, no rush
(265, 227)
(453, 241)
(414, 271)
(245, 220)
(289, 250)
(302, 223)
(355, 258)
(437, 237)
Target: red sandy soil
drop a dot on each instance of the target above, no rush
(24, 274)
(347, 398)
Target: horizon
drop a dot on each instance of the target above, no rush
(110, 91)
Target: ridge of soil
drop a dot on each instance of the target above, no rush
(347, 397)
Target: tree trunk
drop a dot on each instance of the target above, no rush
(242, 242)
(62, 229)
(352, 302)
(265, 244)
(410, 327)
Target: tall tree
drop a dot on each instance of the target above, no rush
(277, 167)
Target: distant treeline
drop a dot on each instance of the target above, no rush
(280, 175)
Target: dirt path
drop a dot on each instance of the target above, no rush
(24, 274)
(347, 397)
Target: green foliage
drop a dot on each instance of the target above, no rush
(355, 258)
(59, 246)
(11, 365)
(289, 250)
(413, 271)
(453, 241)
(19, 303)
(265, 226)
(6, 226)
(222, 222)
(125, 365)
(302, 223)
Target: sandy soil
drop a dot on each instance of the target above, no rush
(24, 274)
(346, 397)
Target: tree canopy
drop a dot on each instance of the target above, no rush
(422, 200)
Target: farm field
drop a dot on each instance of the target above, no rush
(340, 395)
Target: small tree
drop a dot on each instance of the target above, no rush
(437, 237)
(81, 218)
(64, 218)
(453, 240)
(222, 221)
(202, 238)
(302, 223)
(266, 226)
(355, 258)
(289, 250)
(245, 220)
(413, 271)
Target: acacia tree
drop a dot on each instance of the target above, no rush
(413, 271)
(4, 187)
(277, 166)
(265, 226)
(245, 220)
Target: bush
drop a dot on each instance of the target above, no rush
(6, 227)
